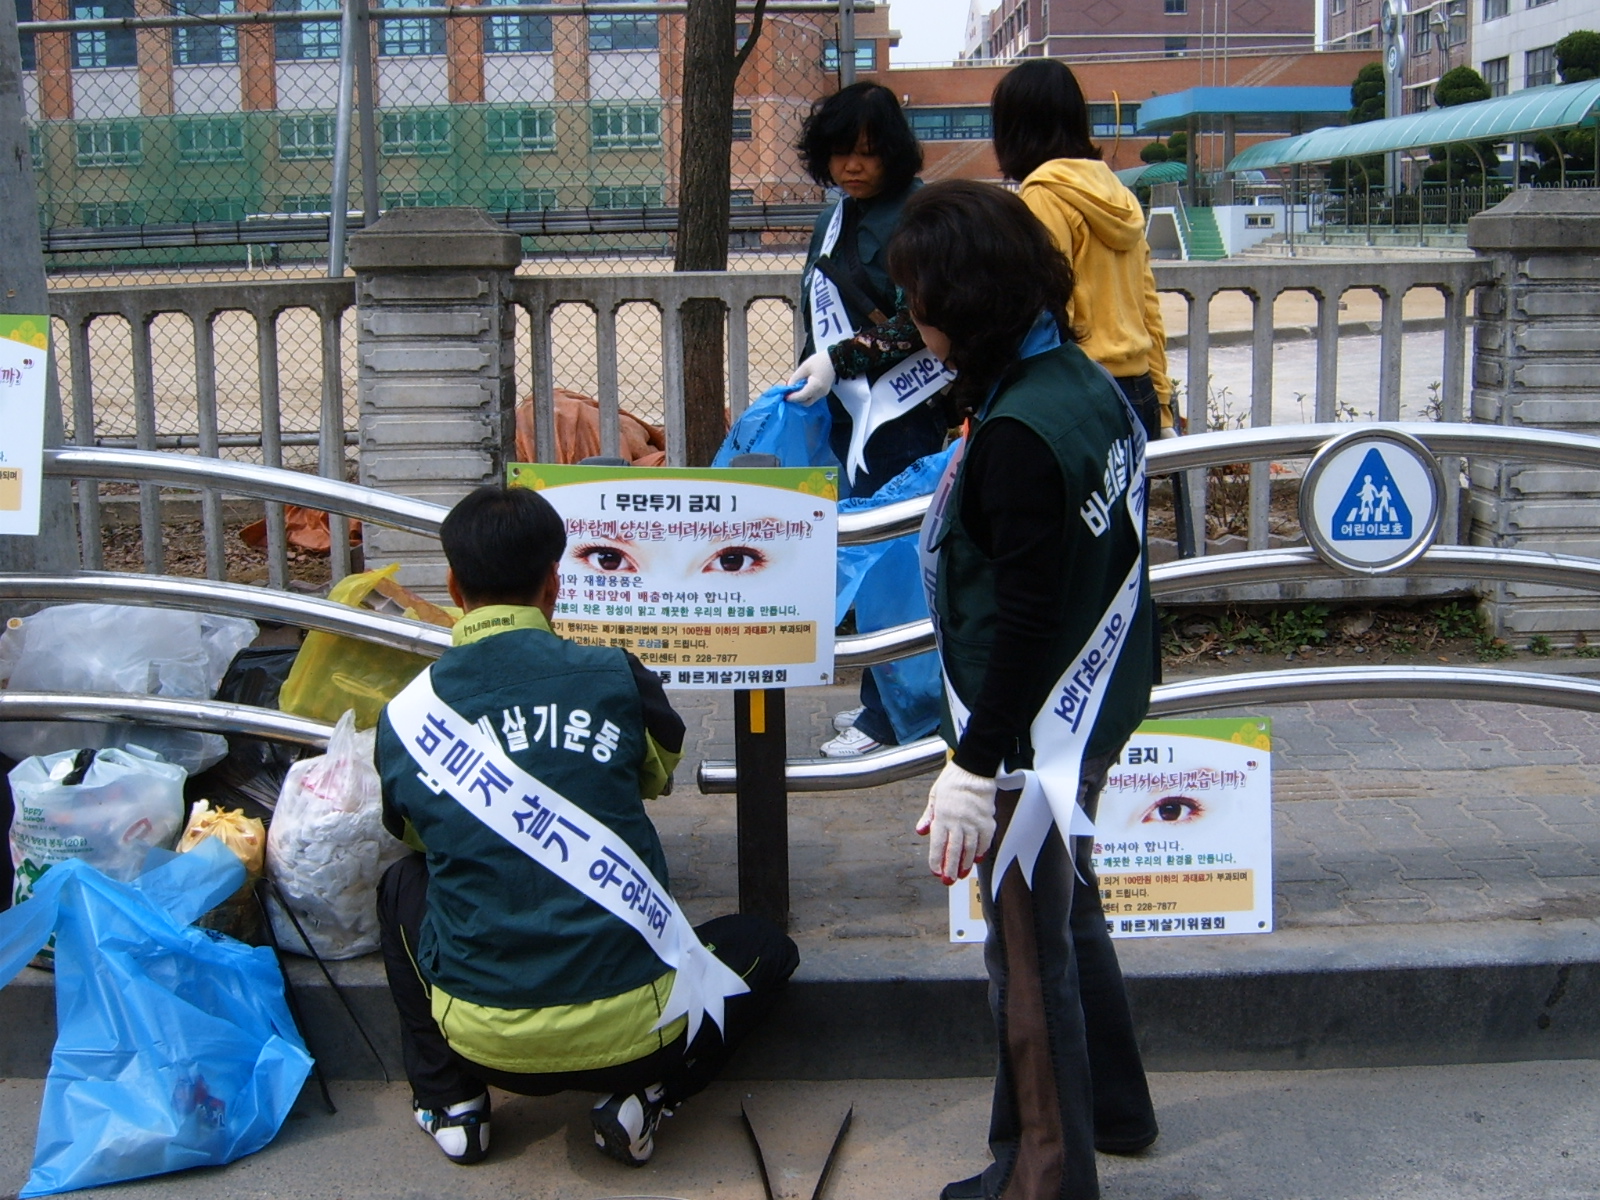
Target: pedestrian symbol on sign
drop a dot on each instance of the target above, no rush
(1372, 506)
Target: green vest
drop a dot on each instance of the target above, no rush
(1079, 413)
(500, 929)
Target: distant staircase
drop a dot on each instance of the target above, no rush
(1203, 240)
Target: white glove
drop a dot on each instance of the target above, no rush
(817, 376)
(1167, 431)
(960, 819)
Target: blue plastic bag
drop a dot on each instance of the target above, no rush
(883, 580)
(796, 433)
(174, 1046)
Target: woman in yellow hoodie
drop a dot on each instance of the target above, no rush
(1042, 141)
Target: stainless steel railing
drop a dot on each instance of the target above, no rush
(211, 716)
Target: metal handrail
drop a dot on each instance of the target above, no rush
(229, 600)
(247, 479)
(1226, 447)
(719, 777)
(212, 716)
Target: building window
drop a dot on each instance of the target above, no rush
(306, 137)
(25, 13)
(311, 205)
(634, 32)
(409, 37)
(1494, 9)
(742, 131)
(626, 197)
(1458, 29)
(104, 47)
(966, 124)
(1178, 8)
(1497, 74)
(520, 200)
(522, 131)
(427, 199)
(1539, 67)
(518, 35)
(625, 126)
(423, 131)
(1419, 99)
(742, 197)
(866, 56)
(105, 213)
(110, 144)
(1421, 34)
(1104, 120)
(1364, 40)
(193, 45)
(1537, 3)
(211, 141)
(1335, 7)
(314, 39)
(212, 210)
(1176, 47)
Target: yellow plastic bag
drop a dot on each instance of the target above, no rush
(238, 916)
(332, 674)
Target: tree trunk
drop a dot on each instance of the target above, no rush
(22, 290)
(710, 69)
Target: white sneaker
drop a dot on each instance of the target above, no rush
(625, 1125)
(844, 720)
(460, 1131)
(851, 743)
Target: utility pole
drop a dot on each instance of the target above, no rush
(22, 290)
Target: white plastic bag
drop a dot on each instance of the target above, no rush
(327, 848)
(121, 649)
(109, 815)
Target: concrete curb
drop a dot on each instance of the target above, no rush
(1362, 996)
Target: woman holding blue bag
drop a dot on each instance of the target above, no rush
(883, 418)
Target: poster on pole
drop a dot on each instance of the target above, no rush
(24, 367)
(713, 578)
(1183, 834)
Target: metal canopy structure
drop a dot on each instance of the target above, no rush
(1252, 109)
(1152, 173)
(1503, 118)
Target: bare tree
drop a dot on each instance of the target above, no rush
(22, 290)
(711, 65)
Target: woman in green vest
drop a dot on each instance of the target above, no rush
(1035, 548)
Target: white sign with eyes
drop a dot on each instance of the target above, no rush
(1183, 834)
(713, 578)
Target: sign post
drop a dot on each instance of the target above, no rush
(715, 579)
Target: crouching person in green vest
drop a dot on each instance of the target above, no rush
(534, 945)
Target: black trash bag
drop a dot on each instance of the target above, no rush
(251, 775)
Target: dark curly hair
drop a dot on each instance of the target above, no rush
(1039, 114)
(838, 121)
(977, 265)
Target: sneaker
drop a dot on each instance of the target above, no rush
(851, 743)
(964, 1189)
(844, 720)
(625, 1125)
(461, 1131)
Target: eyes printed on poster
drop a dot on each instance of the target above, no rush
(622, 556)
(1173, 810)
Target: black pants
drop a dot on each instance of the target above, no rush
(1141, 394)
(755, 948)
(1070, 1073)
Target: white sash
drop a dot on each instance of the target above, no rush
(461, 759)
(1061, 730)
(897, 391)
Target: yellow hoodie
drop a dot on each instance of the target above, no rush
(1099, 225)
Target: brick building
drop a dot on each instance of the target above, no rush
(949, 106)
(1176, 28)
(1435, 37)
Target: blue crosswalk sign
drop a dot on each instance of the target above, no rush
(1373, 507)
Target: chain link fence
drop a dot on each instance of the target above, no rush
(189, 141)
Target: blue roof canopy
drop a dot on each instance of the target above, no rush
(1254, 109)
(1530, 111)
(1149, 173)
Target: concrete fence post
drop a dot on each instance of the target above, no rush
(435, 367)
(1536, 362)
